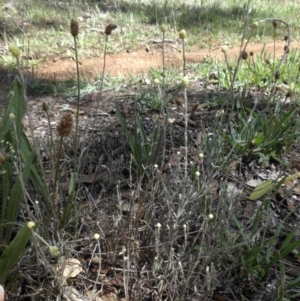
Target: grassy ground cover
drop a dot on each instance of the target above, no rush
(178, 184)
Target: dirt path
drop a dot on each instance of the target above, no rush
(141, 60)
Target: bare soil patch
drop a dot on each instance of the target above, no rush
(141, 60)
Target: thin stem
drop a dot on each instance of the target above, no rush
(77, 109)
(54, 202)
(183, 56)
(163, 63)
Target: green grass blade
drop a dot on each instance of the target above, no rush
(16, 197)
(11, 254)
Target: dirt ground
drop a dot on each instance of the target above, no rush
(141, 60)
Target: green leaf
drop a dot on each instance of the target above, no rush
(295, 283)
(252, 254)
(12, 253)
(35, 172)
(16, 197)
(261, 190)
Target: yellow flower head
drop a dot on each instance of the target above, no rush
(14, 50)
(182, 34)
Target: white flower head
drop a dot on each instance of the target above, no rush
(96, 236)
(31, 224)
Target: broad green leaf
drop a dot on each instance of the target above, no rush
(16, 197)
(12, 253)
(35, 172)
(261, 190)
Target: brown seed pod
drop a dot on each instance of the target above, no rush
(277, 75)
(45, 107)
(288, 94)
(286, 38)
(109, 28)
(244, 55)
(74, 28)
(274, 23)
(267, 61)
(251, 53)
(2, 157)
(65, 125)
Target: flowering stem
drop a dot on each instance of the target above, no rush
(78, 100)
(183, 56)
(54, 201)
(163, 62)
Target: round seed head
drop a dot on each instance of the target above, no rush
(251, 53)
(2, 157)
(185, 81)
(182, 34)
(277, 75)
(31, 224)
(54, 251)
(274, 23)
(286, 38)
(109, 28)
(163, 28)
(45, 107)
(65, 125)
(244, 55)
(14, 50)
(255, 25)
(74, 28)
(224, 49)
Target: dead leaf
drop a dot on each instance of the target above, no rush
(253, 183)
(179, 101)
(65, 185)
(96, 260)
(216, 297)
(171, 120)
(71, 293)
(128, 195)
(99, 174)
(202, 105)
(72, 268)
(249, 210)
(199, 138)
(2, 294)
(233, 165)
(290, 204)
(232, 190)
(296, 190)
(214, 186)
